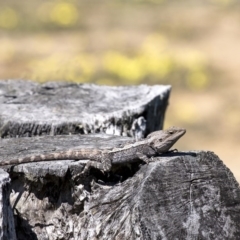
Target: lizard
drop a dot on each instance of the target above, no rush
(154, 144)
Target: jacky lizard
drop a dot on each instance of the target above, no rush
(156, 143)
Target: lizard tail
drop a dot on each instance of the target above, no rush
(64, 155)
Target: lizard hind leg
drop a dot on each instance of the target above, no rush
(143, 157)
(104, 166)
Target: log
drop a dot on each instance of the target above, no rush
(30, 109)
(7, 227)
(182, 195)
(190, 195)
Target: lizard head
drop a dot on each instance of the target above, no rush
(163, 140)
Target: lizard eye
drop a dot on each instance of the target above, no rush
(160, 140)
(171, 132)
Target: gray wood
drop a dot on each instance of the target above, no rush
(190, 195)
(53, 108)
(7, 227)
(178, 197)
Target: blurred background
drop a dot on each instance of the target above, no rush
(192, 45)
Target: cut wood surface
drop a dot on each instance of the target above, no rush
(53, 108)
(183, 196)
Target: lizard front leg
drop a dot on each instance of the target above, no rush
(147, 154)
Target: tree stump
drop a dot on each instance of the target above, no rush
(54, 108)
(183, 195)
(188, 195)
(7, 227)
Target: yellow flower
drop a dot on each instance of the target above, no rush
(8, 18)
(197, 80)
(124, 67)
(64, 14)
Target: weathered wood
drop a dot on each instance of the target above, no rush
(180, 196)
(53, 108)
(7, 227)
(44, 192)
